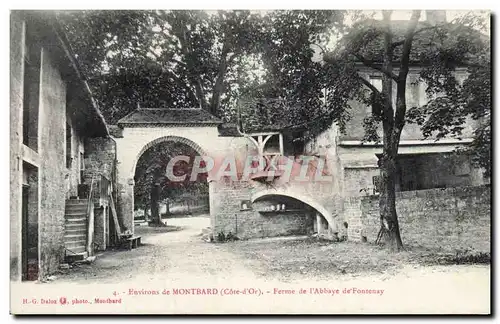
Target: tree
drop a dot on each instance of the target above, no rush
(181, 58)
(157, 58)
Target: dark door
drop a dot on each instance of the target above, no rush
(24, 233)
(29, 234)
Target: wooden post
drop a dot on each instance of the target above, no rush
(319, 224)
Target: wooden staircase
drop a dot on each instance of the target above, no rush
(75, 235)
(79, 223)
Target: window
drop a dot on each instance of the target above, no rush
(375, 81)
(462, 168)
(31, 87)
(82, 162)
(69, 158)
(422, 95)
(82, 166)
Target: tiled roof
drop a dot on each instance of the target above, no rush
(115, 131)
(169, 116)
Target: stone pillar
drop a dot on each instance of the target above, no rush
(211, 204)
(319, 223)
(100, 224)
(126, 204)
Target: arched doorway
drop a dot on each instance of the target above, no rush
(320, 220)
(128, 154)
(167, 184)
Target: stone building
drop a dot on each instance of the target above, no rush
(53, 122)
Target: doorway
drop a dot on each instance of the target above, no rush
(30, 264)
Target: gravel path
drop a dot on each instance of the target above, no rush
(181, 260)
(166, 256)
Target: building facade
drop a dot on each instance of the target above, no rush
(52, 117)
(422, 164)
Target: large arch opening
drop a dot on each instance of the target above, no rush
(163, 184)
(317, 220)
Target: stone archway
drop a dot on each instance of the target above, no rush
(306, 200)
(127, 162)
(168, 138)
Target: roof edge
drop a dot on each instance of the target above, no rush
(122, 121)
(215, 123)
(61, 35)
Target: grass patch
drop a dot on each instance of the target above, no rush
(459, 257)
(319, 258)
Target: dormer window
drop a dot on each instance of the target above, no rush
(69, 157)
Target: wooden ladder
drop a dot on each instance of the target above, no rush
(129, 240)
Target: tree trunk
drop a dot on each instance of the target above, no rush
(155, 210)
(389, 226)
(219, 82)
(146, 214)
(387, 203)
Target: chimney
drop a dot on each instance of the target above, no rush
(436, 17)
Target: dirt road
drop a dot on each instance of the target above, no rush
(171, 256)
(173, 272)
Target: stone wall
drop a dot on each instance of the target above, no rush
(100, 158)
(451, 219)
(53, 171)
(16, 131)
(359, 181)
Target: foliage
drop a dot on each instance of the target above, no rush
(151, 168)
(447, 114)
(441, 51)
(291, 92)
(186, 58)
(229, 237)
(161, 58)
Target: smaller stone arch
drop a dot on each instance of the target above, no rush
(307, 200)
(169, 138)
